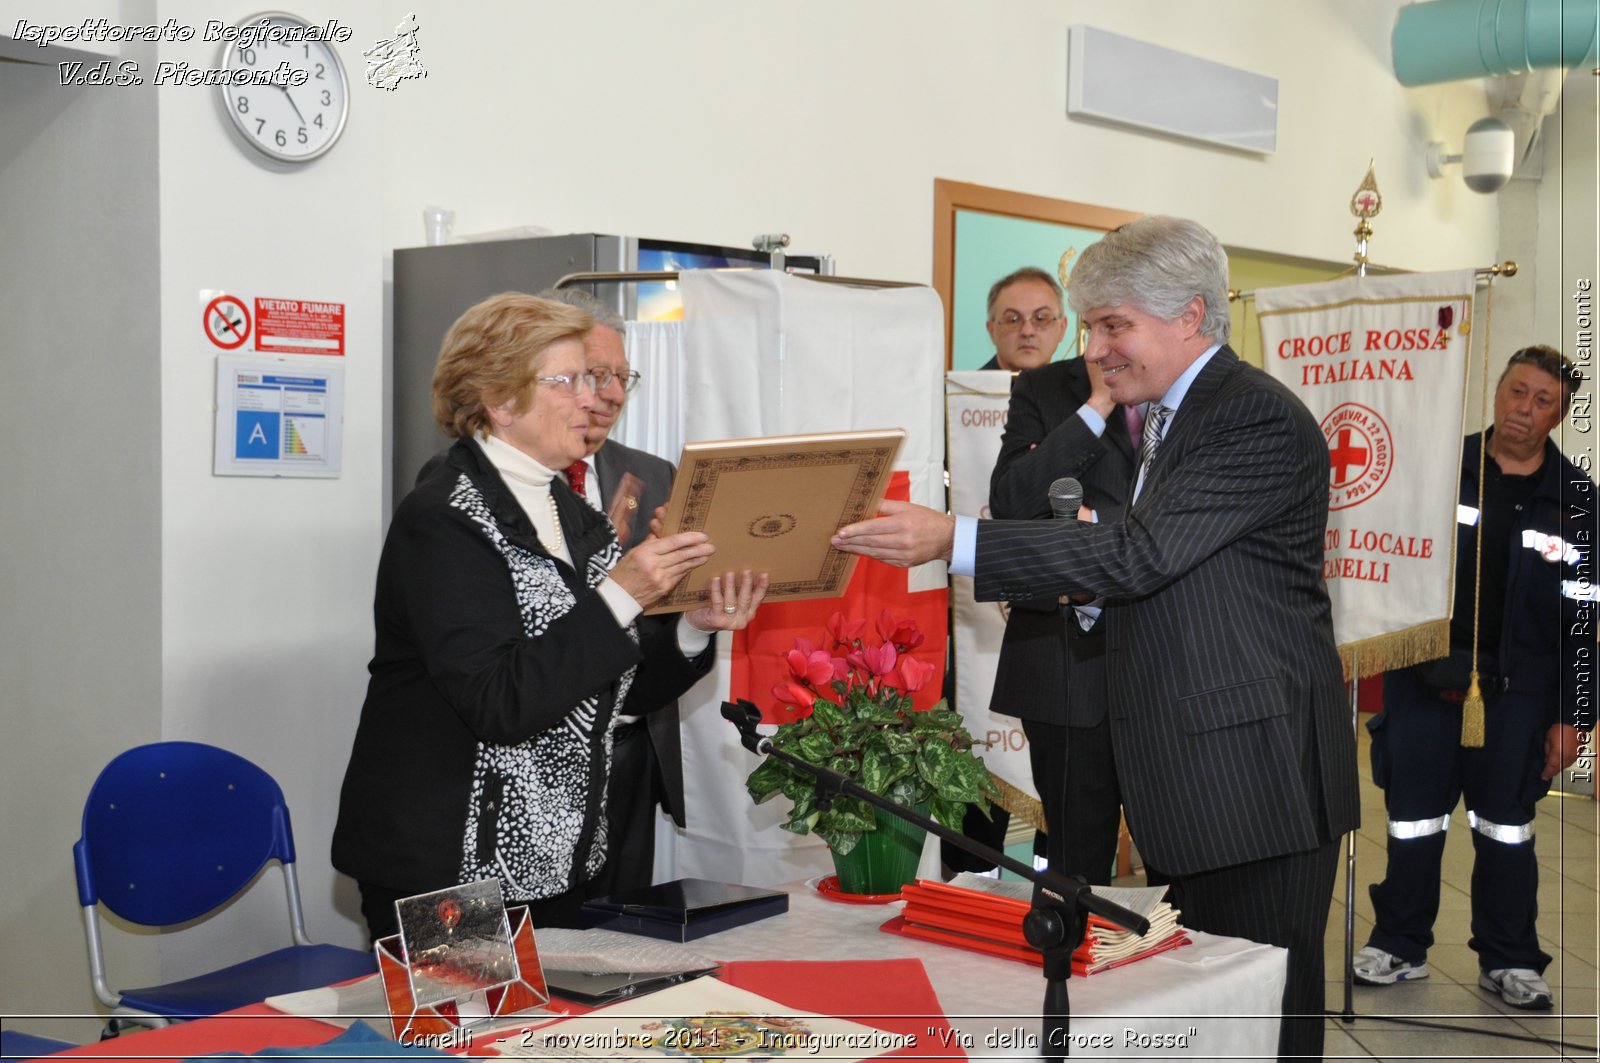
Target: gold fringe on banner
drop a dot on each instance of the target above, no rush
(1019, 804)
(1397, 649)
(1472, 722)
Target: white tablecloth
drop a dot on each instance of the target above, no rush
(1217, 998)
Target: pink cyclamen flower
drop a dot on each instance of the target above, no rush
(791, 693)
(914, 674)
(879, 660)
(903, 633)
(816, 668)
(845, 632)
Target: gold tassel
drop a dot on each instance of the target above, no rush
(1472, 716)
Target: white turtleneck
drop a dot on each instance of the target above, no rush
(530, 486)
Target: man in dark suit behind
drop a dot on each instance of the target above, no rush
(1051, 673)
(627, 484)
(1232, 741)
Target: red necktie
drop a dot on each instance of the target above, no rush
(577, 475)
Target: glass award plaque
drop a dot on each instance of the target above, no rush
(457, 942)
(461, 958)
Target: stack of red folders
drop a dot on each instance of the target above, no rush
(986, 915)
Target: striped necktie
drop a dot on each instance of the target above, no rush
(1155, 425)
(1154, 428)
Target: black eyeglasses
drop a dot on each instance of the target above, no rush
(603, 376)
(1010, 321)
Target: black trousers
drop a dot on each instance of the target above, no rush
(1076, 776)
(1283, 900)
(631, 800)
(1424, 770)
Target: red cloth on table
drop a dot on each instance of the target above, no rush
(758, 651)
(893, 995)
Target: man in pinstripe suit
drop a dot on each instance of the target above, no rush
(1228, 723)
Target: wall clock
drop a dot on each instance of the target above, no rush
(290, 123)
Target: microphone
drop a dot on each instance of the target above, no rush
(1066, 495)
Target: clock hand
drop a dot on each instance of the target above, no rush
(297, 113)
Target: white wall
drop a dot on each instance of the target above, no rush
(266, 584)
(246, 614)
(713, 121)
(1568, 249)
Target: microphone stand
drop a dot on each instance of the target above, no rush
(1062, 904)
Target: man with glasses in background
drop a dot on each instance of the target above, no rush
(1052, 671)
(1026, 326)
(627, 485)
(1025, 320)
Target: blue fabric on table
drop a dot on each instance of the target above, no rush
(360, 1041)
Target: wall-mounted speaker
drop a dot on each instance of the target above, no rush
(1128, 82)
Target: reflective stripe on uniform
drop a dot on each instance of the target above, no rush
(1580, 590)
(1409, 829)
(1551, 547)
(1506, 835)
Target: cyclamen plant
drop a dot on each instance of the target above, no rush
(847, 705)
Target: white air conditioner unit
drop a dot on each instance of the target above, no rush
(1127, 82)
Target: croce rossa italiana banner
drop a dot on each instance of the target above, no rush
(1381, 363)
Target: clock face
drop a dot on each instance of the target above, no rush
(298, 110)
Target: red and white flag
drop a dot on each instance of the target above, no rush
(1381, 363)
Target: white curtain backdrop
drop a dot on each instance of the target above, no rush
(769, 354)
(652, 420)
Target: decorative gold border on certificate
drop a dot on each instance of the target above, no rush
(871, 454)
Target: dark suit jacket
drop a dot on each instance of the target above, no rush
(655, 475)
(1233, 740)
(1049, 667)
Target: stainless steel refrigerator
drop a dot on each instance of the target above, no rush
(433, 285)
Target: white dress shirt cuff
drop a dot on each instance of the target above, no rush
(1092, 418)
(964, 551)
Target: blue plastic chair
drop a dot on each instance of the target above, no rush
(16, 1045)
(171, 832)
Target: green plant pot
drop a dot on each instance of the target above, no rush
(884, 859)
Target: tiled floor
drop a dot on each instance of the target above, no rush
(1468, 1023)
(1447, 1016)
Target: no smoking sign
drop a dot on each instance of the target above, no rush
(227, 322)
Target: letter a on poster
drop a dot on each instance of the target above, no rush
(278, 416)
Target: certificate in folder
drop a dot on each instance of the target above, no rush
(772, 505)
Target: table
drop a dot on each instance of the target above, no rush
(1217, 998)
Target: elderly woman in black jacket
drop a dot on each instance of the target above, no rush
(506, 638)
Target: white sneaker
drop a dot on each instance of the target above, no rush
(1518, 986)
(1373, 966)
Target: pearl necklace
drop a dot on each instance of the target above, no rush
(555, 515)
